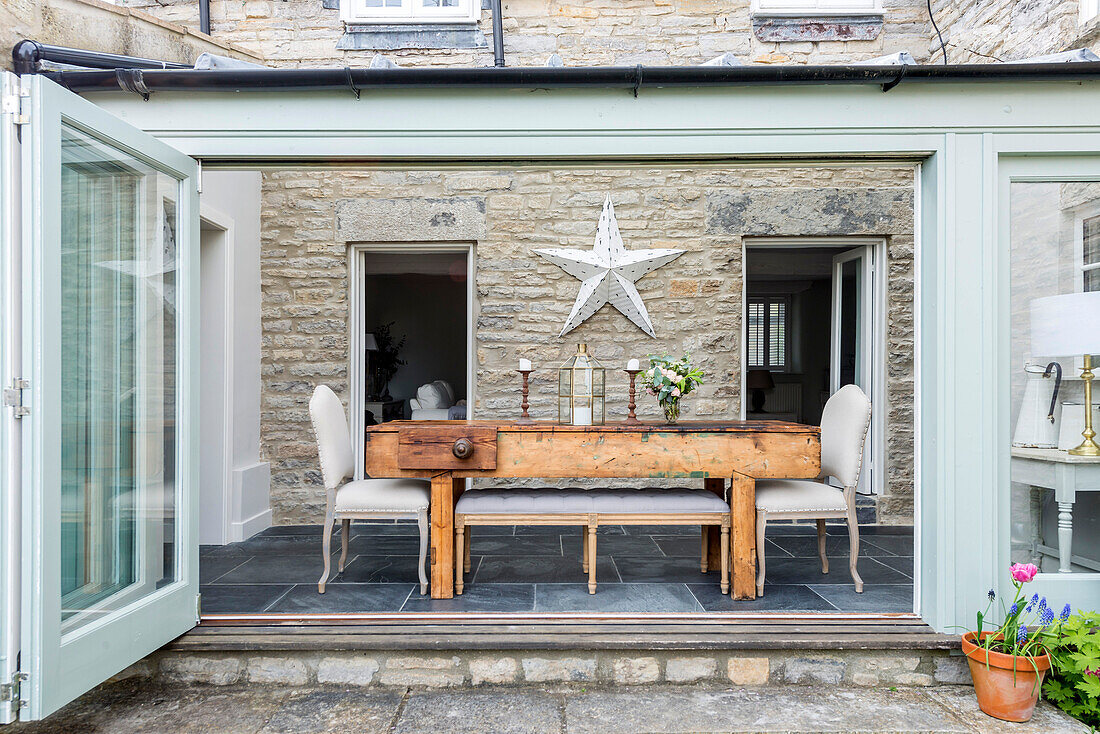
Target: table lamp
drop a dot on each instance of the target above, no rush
(1069, 326)
(758, 381)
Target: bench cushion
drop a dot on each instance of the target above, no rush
(577, 501)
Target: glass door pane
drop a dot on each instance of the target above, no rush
(109, 462)
(852, 348)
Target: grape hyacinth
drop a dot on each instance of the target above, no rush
(1013, 609)
(1065, 613)
(1022, 634)
(1047, 617)
(992, 595)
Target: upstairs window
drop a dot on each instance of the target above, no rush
(1090, 253)
(768, 332)
(410, 11)
(817, 7)
(1089, 10)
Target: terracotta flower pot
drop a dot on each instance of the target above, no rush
(1007, 687)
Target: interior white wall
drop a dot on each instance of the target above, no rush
(245, 492)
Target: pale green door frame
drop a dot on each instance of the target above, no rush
(956, 131)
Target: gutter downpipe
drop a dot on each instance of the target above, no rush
(515, 77)
(498, 32)
(204, 16)
(26, 54)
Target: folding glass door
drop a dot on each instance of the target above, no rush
(109, 269)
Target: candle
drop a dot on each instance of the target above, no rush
(633, 365)
(582, 415)
(524, 365)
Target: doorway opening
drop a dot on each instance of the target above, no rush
(411, 334)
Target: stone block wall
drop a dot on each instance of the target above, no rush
(311, 217)
(593, 32)
(1006, 30)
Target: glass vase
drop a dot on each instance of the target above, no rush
(672, 410)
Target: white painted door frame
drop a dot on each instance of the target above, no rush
(208, 215)
(878, 325)
(356, 285)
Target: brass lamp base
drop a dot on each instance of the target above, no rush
(1088, 447)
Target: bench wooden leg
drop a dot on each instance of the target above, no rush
(704, 532)
(718, 488)
(592, 555)
(743, 535)
(584, 549)
(459, 552)
(725, 558)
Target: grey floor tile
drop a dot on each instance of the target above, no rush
(275, 530)
(668, 570)
(777, 598)
(344, 598)
(807, 570)
(281, 568)
(499, 712)
(638, 546)
(680, 546)
(904, 564)
(516, 545)
(382, 570)
(240, 598)
(335, 712)
(478, 598)
(213, 567)
(898, 545)
(615, 598)
(540, 570)
(875, 597)
(661, 529)
(835, 545)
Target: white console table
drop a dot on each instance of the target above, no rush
(1066, 475)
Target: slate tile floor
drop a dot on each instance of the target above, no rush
(538, 569)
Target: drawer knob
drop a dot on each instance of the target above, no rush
(463, 448)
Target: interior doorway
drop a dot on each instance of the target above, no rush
(814, 321)
(411, 334)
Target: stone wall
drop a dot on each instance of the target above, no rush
(695, 302)
(117, 30)
(1005, 30)
(593, 32)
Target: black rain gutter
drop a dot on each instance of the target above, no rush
(26, 54)
(620, 77)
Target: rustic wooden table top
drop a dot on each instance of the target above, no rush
(680, 427)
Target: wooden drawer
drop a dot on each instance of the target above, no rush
(447, 447)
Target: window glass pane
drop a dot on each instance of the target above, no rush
(1051, 525)
(118, 378)
(440, 3)
(1090, 240)
(777, 334)
(755, 334)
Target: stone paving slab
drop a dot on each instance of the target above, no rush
(136, 705)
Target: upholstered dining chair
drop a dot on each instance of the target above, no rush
(362, 499)
(844, 424)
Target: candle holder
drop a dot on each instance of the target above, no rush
(631, 418)
(525, 418)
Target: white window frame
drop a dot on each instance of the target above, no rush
(411, 11)
(768, 300)
(820, 7)
(1092, 211)
(1089, 9)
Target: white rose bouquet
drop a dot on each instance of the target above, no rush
(670, 380)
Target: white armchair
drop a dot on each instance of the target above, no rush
(844, 425)
(363, 499)
(433, 401)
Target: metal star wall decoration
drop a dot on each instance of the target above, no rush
(608, 273)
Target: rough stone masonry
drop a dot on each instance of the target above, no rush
(311, 218)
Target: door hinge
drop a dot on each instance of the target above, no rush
(15, 105)
(12, 693)
(13, 397)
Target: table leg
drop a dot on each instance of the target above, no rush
(1065, 537)
(443, 535)
(714, 541)
(743, 536)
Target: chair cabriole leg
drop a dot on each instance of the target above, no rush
(422, 522)
(326, 550)
(821, 546)
(345, 534)
(853, 541)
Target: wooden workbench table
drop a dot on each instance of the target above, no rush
(448, 452)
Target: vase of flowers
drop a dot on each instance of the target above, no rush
(669, 381)
(1008, 662)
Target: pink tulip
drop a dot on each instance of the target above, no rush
(1023, 572)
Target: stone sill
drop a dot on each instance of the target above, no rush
(394, 36)
(779, 28)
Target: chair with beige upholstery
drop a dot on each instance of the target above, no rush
(363, 499)
(844, 424)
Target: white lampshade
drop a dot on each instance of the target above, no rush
(370, 343)
(1066, 326)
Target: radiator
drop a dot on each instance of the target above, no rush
(786, 397)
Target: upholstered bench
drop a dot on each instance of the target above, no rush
(590, 509)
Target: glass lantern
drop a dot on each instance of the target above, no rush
(581, 390)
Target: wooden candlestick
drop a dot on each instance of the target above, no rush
(525, 418)
(631, 418)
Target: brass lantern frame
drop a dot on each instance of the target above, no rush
(582, 390)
